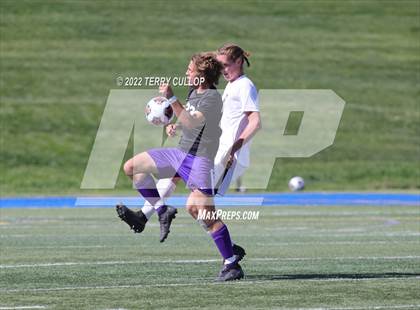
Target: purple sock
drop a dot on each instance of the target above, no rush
(222, 239)
(161, 209)
(147, 188)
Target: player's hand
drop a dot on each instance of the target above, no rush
(171, 130)
(166, 90)
(230, 160)
(231, 156)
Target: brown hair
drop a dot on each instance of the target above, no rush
(208, 66)
(234, 52)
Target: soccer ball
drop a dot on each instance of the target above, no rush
(296, 184)
(159, 111)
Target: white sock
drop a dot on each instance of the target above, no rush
(158, 204)
(148, 209)
(165, 188)
(230, 260)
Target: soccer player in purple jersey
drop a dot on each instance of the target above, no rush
(192, 160)
(239, 123)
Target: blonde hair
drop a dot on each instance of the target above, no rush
(234, 52)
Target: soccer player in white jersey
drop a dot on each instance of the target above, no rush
(240, 118)
(240, 121)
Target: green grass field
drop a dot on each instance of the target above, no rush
(298, 257)
(58, 61)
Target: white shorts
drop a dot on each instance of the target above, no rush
(235, 171)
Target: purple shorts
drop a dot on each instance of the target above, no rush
(195, 171)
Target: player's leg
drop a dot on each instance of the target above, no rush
(235, 171)
(239, 187)
(199, 202)
(165, 188)
(147, 210)
(139, 169)
(225, 178)
(168, 162)
(238, 176)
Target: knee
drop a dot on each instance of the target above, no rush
(138, 179)
(192, 209)
(128, 168)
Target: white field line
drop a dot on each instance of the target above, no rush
(165, 285)
(270, 243)
(192, 261)
(334, 308)
(314, 233)
(199, 261)
(287, 232)
(341, 242)
(358, 308)
(374, 307)
(329, 213)
(22, 307)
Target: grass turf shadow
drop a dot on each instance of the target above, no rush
(332, 276)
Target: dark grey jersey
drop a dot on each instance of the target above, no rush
(203, 140)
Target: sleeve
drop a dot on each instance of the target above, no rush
(211, 105)
(249, 99)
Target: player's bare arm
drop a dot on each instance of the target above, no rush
(188, 120)
(254, 124)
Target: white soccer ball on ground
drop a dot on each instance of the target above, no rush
(159, 111)
(296, 184)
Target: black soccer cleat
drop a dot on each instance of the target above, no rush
(239, 252)
(165, 220)
(135, 219)
(230, 272)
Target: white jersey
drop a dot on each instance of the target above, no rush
(240, 96)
